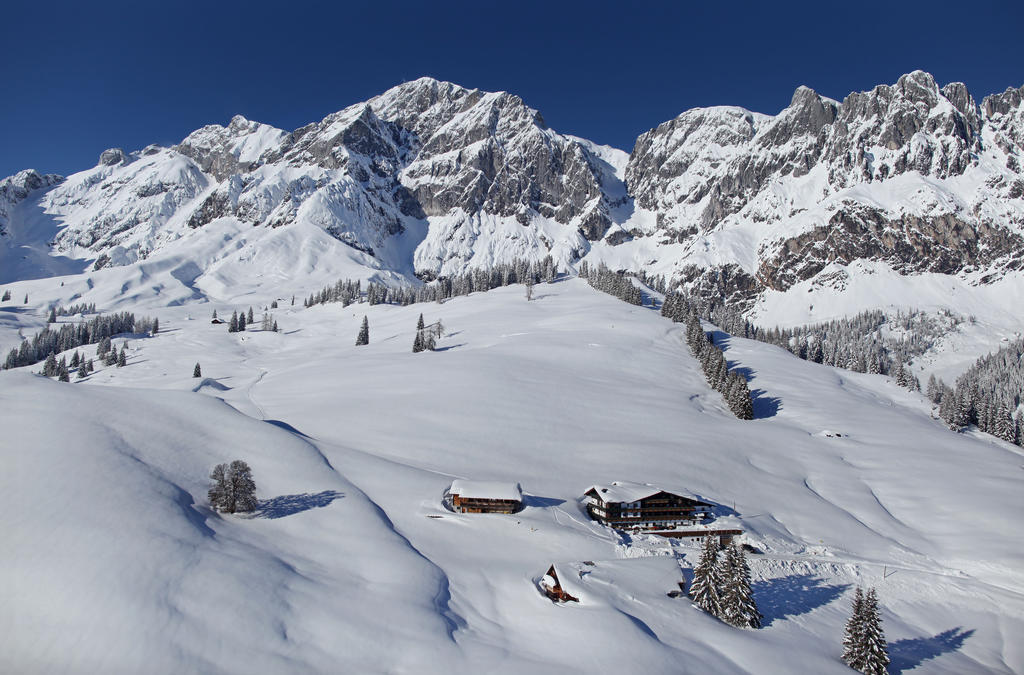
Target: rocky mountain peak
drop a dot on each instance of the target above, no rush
(112, 157)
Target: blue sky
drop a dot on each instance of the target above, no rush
(80, 77)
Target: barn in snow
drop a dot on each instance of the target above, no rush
(480, 496)
(627, 505)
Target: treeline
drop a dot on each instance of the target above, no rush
(870, 342)
(613, 283)
(81, 308)
(347, 291)
(987, 395)
(730, 383)
(72, 335)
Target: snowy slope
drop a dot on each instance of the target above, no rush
(557, 394)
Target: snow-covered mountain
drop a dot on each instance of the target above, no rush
(909, 182)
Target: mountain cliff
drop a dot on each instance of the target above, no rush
(430, 179)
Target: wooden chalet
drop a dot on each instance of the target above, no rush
(472, 496)
(553, 588)
(628, 506)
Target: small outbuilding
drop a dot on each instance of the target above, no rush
(553, 588)
(477, 496)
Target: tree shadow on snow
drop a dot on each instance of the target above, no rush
(764, 405)
(289, 505)
(912, 652)
(793, 595)
(444, 349)
(541, 502)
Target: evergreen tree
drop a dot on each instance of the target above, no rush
(529, 290)
(864, 646)
(233, 324)
(7, 296)
(90, 366)
(214, 314)
(417, 343)
(50, 366)
(248, 319)
(83, 369)
(53, 316)
(62, 372)
(853, 640)
(197, 371)
(364, 333)
(737, 601)
(875, 648)
(241, 322)
(111, 358)
(75, 359)
(122, 357)
(243, 485)
(706, 582)
(275, 326)
(156, 327)
(233, 488)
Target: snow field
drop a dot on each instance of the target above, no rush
(570, 389)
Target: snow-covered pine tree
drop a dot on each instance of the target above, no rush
(853, 639)
(122, 357)
(220, 494)
(529, 289)
(197, 371)
(62, 372)
(6, 297)
(50, 365)
(53, 316)
(233, 323)
(214, 314)
(90, 366)
(75, 359)
(274, 327)
(248, 318)
(417, 343)
(83, 370)
(738, 606)
(156, 327)
(364, 333)
(704, 591)
(875, 648)
(243, 486)
(111, 357)
(241, 322)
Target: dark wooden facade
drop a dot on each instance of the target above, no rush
(659, 510)
(484, 505)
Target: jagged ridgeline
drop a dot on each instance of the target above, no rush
(347, 291)
(71, 335)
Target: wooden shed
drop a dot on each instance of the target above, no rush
(553, 588)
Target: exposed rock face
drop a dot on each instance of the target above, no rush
(431, 178)
(15, 189)
(112, 157)
(825, 169)
(946, 244)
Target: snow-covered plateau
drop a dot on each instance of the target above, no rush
(114, 561)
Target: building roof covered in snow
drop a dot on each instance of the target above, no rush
(486, 489)
(627, 491)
